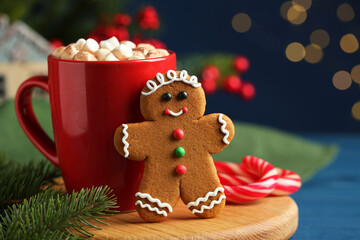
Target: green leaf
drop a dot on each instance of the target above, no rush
(281, 149)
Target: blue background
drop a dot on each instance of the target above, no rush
(290, 96)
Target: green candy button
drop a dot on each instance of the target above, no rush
(180, 151)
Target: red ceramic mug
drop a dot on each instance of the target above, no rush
(88, 101)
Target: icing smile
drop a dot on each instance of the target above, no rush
(175, 114)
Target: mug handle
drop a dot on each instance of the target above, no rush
(28, 121)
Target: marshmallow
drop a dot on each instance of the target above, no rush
(146, 46)
(157, 53)
(107, 45)
(129, 43)
(164, 52)
(122, 52)
(84, 56)
(80, 43)
(69, 52)
(110, 57)
(137, 55)
(101, 53)
(141, 49)
(58, 51)
(90, 46)
(114, 41)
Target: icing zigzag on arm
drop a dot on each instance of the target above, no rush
(213, 202)
(154, 200)
(126, 144)
(223, 129)
(204, 199)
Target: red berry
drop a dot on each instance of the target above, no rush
(55, 43)
(148, 18)
(232, 83)
(122, 19)
(248, 91)
(241, 64)
(209, 86)
(210, 72)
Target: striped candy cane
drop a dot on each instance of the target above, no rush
(255, 178)
(287, 183)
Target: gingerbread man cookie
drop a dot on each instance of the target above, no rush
(176, 141)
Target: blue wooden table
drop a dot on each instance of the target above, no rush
(329, 203)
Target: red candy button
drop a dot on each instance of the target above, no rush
(178, 134)
(180, 169)
(184, 109)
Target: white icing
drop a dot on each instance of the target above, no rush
(171, 74)
(204, 199)
(154, 200)
(153, 209)
(223, 130)
(213, 202)
(176, 114)
(126, 144)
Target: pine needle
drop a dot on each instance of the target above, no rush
(52, 214)
(19, 181)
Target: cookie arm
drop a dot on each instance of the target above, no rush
(218, 131)
(128, 141)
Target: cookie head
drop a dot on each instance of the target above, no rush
(174, 95)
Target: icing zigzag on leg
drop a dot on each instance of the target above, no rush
(153, 200)
(204, 199)
(153, 209)
(213, 202)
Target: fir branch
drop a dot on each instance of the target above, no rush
(52, 214)
(19, 181)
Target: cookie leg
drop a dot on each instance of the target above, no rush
(202, 192)
(156, 197)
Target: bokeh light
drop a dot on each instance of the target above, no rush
(285, 8)
(320, 37)
(241, 22)
(355, 74)
(349, 43)
(296, 14)
(342, 80)
(313, 53)
(345, 12)
(355, 111)
(304, 3)
(295, 52)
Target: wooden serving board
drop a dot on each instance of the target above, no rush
(268, 218)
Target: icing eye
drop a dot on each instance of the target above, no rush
(182, 95)
(166, 96)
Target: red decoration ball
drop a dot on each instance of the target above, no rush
(209, 86)
(185, 109)
(178, 134)
(241, 64)
(210, 72)
(232, 83)
(180, 169)
(247, 91)
(167, 111)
